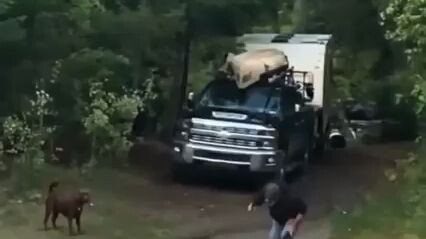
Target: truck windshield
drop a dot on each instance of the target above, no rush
(255, 99)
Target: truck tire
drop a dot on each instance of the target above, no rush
(177, 171)
(298, 158)
(182, 172)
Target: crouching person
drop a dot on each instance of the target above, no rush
(287, 212)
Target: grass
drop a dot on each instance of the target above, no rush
(116, 214)
(379, 218)
(399, 212)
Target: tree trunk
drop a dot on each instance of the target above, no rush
(178, 92)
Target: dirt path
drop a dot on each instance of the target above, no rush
(214, 205)
(336, 184)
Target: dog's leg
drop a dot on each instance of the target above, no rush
(77, 219)
(70, 225)
(54, 217)
(47, 215)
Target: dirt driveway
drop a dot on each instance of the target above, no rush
(213, 206)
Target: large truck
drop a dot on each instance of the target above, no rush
(268, 110)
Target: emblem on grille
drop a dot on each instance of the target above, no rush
(223, 134)
(227, 115)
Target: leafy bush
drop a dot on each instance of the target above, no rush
(24, 137)
(109, 117)
(400, 212)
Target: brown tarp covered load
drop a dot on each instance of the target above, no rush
(247, 68)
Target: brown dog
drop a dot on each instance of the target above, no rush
(70, 206)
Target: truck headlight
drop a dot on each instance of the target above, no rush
(183, 129)
(184, 135)
(186, 124)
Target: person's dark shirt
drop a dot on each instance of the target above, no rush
(287, 207)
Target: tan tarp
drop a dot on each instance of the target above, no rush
(246, 68)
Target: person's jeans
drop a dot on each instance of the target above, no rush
(278, 231)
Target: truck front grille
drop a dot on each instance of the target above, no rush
(231, 135)
(228, 129)
(225, 141)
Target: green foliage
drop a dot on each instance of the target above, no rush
(398, 214)
(395, 213)
(24, 137)
(405, 22)
(108, 119)
(362, 54)
(26, 134)
(75, 45)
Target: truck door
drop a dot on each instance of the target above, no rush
(293, 123)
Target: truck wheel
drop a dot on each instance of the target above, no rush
(176, 171)
(182, 172)
(298, 159)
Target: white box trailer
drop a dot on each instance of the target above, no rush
(307, 53)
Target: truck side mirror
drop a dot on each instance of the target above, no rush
(310, 93)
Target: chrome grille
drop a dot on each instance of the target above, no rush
(225, 141)
(233, 130)
(239, 137)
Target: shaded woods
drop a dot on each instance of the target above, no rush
(74, 74)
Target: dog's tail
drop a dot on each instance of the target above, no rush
(52, 186)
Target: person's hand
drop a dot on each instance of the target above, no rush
(290, 227)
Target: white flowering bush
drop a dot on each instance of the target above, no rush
(23, 139)
(25, 134)
(108, 119)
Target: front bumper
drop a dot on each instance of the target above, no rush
(255, 160)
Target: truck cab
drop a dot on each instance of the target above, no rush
(271, 125)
